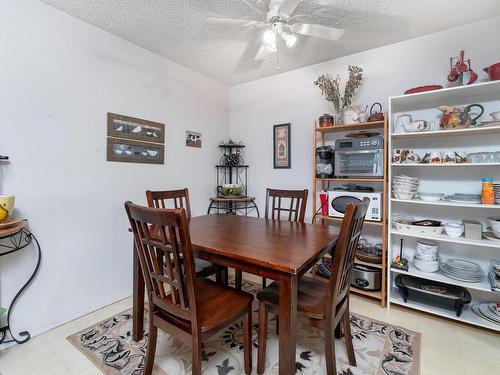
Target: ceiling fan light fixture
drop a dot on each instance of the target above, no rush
(289, 39)
(269, 37)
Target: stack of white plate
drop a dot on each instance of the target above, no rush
(426, 256)
(462, 270)
(487, 311)
(404, 187)
(496, 188)
(464, 198)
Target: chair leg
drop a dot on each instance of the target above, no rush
(277, 325)
(219, 276)
(338, 331)
(226, 276)
(264, 282)
(247, 339)
(151, 350)
(348, 338)
(331, 366)
(197, 356)
(238, 276)
(261, 357)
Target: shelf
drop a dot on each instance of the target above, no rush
(372, 294)
(467, 316)
(230, 166)
(357, 261)
(339, 219)
(445, 133)
(484, 285)
(352, 127)
(451, 95)
(231, 146)
(349, 179)
(445, 238)
(446, 203)
(433, 165)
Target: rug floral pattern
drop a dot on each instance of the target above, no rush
(381, 349)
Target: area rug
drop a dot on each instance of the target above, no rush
(380, 348)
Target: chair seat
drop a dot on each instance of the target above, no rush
(311, 297)
(216, 305)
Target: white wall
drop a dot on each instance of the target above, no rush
(58, 79)
(291, 97)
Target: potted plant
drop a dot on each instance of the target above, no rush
(330, 89)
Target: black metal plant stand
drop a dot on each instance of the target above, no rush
(231, 171)
(10, 242)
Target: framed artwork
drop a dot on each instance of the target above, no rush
(134, 140)
(193, 139)
(281, 146)
(126, 150)
(120, 126)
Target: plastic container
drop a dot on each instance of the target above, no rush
(487, 192)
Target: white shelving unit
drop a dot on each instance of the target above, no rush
(446, 179)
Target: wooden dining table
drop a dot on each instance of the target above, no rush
(277, 250)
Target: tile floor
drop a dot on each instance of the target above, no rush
(447, 347)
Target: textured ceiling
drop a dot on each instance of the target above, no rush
(176, 29)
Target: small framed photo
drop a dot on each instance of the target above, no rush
(193, 139)
(281, 146)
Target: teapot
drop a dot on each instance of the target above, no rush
(458, 117)
(376, 116)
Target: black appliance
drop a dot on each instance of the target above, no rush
(325, 160)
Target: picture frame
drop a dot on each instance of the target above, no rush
(282, 146)
(121, 126)
(130, 151)
(193, 139)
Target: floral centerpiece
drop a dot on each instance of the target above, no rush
(330, 89)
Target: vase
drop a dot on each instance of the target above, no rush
(347, 116)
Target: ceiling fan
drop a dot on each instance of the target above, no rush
(279, 26)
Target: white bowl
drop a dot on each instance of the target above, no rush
(403, 195)
(495, 115)
(430, 197)
(454, 229)
(426, 266)
(495, 224)
(427, 245)
(403, 177)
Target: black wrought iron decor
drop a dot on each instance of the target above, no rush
(10, 243)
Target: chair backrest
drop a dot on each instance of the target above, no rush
(294, 211)
(345, 251)
(180, 199)
(164, 249)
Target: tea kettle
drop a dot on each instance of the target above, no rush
(458, 117)
(376, 116)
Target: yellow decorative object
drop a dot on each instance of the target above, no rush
(6, 206)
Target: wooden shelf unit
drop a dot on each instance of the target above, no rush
(321, 133)
(465, 178)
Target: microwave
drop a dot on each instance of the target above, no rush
(359, 157)
(339, 199)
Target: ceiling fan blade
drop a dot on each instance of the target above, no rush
(233, 22)
(288, 6)
(318, 31)
(261, 54)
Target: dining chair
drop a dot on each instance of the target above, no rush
(289, 205)
(324, 304)
(180, 199)
(189, 308)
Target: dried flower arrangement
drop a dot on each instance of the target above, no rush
(330, 88)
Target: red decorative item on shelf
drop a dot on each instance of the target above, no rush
(423, 89)
(376, 116)
(323, 197)
(461, 70)
(493, 71)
